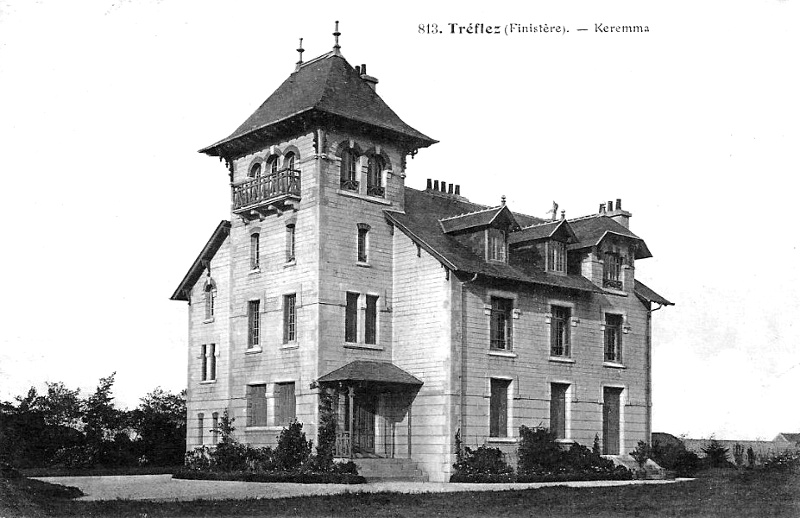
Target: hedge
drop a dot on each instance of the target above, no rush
(277, 476)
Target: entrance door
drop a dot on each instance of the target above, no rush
(364, 424)
(611, 420)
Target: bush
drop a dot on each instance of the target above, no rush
(483, 461)
(641, 453)
(541, 458)
(273, 476)
(293, 449)
(538, 451)
(675, 457)
(76, 457)
(783, 461)
(716, 455)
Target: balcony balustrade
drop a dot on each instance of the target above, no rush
(266, 189)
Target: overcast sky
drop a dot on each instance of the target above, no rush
(695, 125)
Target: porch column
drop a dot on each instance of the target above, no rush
(409, 431)
(350, 419)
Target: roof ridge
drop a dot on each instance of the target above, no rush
(540, 224)
(473, 212)
(588, 216)
(318, 58)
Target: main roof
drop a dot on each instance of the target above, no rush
(326, 86)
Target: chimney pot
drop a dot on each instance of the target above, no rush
(358, 70)
(458, 190)
(436, 185)
(442, 184)
(610, 206)
(563, 214)
(450, 189)
(429, 184)
(619, 203)
(363, 68)
(601, 209)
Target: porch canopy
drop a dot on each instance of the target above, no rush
(370, 371)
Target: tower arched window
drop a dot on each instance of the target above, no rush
(209, 295)
(272, 164)
(375, 167)
(255, 171)
(349, 170)
(288, 161)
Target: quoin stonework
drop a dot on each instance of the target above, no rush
(422, 313)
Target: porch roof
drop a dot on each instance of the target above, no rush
(364, 370)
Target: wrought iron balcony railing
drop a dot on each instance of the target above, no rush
(266, 188)
(612, 283)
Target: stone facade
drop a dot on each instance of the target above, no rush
(331, 275)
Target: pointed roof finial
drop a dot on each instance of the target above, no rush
(503, 200)
(336, 35)
(300, 54)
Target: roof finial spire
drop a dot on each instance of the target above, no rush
(300, 53)
(336, 35)
(503, 200)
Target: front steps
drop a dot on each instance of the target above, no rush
(390, 470)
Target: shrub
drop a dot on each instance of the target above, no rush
(675, 457)
(783, 461)
(76, 457)
(641, 453)
(482, 461)
(293, 449)
(326, 434)
(751, 457)
(538, 450)
(738, 454)
(716, 455)
(345, 468)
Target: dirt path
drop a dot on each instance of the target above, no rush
(164, 487)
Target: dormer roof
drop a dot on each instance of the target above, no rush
(491, 217)
(560, 230)
(325, 89)
(592, 230)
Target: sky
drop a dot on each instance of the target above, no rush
(694, 124)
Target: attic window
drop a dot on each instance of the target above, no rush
(612, 266)
(557, 256)
(348, 171)
(496, 247)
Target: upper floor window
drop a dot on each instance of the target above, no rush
(363, 243)
(208, 362)
(253, 324)
(500, 326)
(272, 164)
(557, 256)
(288, 161)
(559, 332)
(349, 170)
(255, 253)
(613, 338)
(210, 295)
(290, 242)
(497, 245)
(289, 318)
(375, 168)
(612, 269)
(351, 318)
(255, 171)
(371, 320)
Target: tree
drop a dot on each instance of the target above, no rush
(160, 423)
(100, 418)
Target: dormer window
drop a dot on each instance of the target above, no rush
(557, 256)
(349, 170)
(375, 168)
(612, 270)
(496, 246)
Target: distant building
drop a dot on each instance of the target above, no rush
(423, 313)
(790, 439)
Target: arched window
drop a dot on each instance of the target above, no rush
(288, 161)
(348, 170)
(210, 294)
(272, 164)
(375, 168)
(255, 171)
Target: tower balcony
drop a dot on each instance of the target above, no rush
(270, 192)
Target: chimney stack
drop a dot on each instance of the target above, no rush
(436, 185)
(458, 190)
(617, 214)
(371, 81)
(610, 206)
(429, 184)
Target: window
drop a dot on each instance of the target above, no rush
(348, 171)
(200, 428)
(558, 410)
(272, 164)
(255, 171)
(371, 320)
(255, 254)
(288, 161)
(351, 318)
(253, 323)
(208, 360)
(285, 403)
(557, 256)
(375, 176)
(289, 318)
(559, 332)
(498, 408)
(215, 428)
(256, 405)
(210, 294)
(500, 327)
(612, 265)
(497, 245)
(613, 338)
(290, 243)
(363, 243)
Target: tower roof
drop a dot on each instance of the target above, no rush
(322, 90)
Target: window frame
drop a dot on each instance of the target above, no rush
(557, 320)
(496, 245)
(348, 170)
(557, 256)
(612, 332)
(209, 300)
(371, 320)
(290, 318)
(362, 244)
(284, 402)
(559, 399)
(255, 251)
(351, 317)
(215, 427)
(499, 408)
(253, 324)
(501, 316)
(290, 242)
(375, 168)
(612, 270)
(256, 399)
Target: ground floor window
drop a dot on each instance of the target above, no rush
(256, 405)
(285, 403)
(498, 408)
(558, 409)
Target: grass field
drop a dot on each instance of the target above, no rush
(719, 493)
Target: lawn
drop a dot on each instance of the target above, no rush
(719, 493)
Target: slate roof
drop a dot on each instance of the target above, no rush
(590, 230)
(325, 85)
(206, 254)
(481, 218)
(791, 437)
(364, 370)
(421, 223)
(646, 294)
(542, 231)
